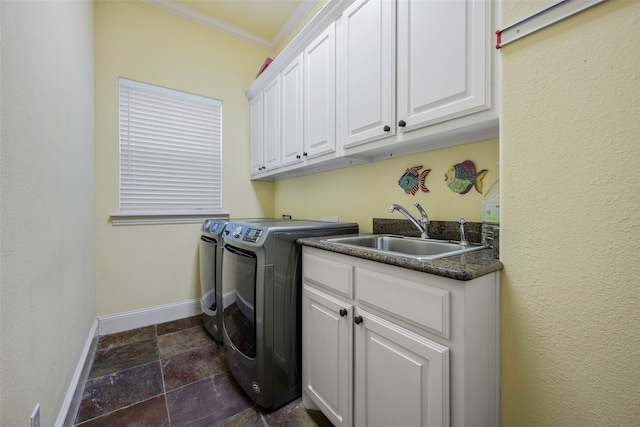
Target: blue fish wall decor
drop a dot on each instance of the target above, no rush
(462, 177)
(411, 180)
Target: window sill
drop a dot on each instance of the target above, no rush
(156, 218)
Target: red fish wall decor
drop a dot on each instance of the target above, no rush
(411, 180)
(461, 177)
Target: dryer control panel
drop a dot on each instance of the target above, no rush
(252, 235)
(243, 233)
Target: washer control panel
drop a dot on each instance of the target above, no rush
(213, 226)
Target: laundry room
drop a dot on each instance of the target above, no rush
(110, 292)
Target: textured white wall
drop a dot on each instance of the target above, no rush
(570, 232)
(47, 228)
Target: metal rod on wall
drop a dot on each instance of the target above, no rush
(539, 20)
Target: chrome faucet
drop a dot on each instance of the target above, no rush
(423, 225)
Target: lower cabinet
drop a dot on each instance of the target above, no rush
(386, 346)
(400, 377)
(327, 372)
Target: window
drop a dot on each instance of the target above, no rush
(170, 152)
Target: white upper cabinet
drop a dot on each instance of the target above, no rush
(265, 129)
(319, 94)
(292, 110)
(293, 116)
(366, 83)
(367, 79)
(443, 63)
(440, 66)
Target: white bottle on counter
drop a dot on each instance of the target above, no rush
(491, 211)
(491, 219)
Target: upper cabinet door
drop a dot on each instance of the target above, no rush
(366, 92)
(292, 129)
(319, 94)
(272, 124)
(257, 135)
(443, 60)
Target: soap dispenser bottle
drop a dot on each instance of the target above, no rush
(491, 219)
(491, 211)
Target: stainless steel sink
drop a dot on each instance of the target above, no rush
(413, 247)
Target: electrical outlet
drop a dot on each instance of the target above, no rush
(35, 416)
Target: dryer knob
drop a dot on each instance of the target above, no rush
(237, 232)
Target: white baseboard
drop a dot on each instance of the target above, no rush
(148, 316)
(71, 392)
(118, 323)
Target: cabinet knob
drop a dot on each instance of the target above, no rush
(297, 156)
(402, 123)
(357, 319)
(343, 312)
(386, 128)
(305, 154)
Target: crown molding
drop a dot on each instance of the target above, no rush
(294, 20)
(321, 21)
(179, 9)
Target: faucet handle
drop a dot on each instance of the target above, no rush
(423, 214)
(463, 237)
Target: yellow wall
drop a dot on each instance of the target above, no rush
(570, 234)
(363, 192)
(145, 266)
(47, 238)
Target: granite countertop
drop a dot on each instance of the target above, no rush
(458, 267)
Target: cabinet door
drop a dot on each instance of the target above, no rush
(443, 60)
(319, 95)
(400, 378)
(271, 124)
(256, 112)
(366, 95)
(326, 354)
(292, 145)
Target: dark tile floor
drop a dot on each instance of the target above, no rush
(173, 374)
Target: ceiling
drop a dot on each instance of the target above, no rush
(265, 23)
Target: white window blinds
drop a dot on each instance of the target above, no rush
(170, 150)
